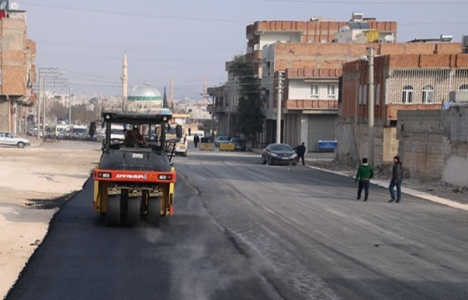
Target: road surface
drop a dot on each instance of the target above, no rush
(243, 230)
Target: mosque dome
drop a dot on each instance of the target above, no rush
(144, 92)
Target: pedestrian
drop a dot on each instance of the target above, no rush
(364, 174)
(300, 150)
(397, 178)
(196, 140)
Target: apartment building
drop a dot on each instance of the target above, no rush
(402, 82)
(316, 31)
(17, 70)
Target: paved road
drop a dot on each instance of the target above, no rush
(243, 230)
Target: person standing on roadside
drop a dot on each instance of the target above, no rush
(397, 179)
(196, 140)
(364, 174)
(300, 150)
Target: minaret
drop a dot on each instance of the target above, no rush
(124, 82)
(165, 104)
(171, 94)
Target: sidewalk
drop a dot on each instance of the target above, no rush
(384, 183)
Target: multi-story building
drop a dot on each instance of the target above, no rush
(17, 70)
(402, 82)
(316, 31)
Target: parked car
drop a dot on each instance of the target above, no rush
(279, 154)
(221, 140)
(239, 144)
(8, 139)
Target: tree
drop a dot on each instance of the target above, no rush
(59, 111)
(250, 115)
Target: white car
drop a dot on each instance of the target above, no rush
(8, 139)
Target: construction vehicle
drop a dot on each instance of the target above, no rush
(177, 133)
(134, 183)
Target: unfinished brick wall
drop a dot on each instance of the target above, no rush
(434, 144)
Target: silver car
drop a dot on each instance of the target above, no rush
(8, 139)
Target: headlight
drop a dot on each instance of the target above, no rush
(104, 175)
(274, 155)
(165, 177)
(294, 155)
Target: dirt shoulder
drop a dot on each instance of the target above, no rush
(34, 182)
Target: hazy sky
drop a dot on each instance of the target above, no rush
(190, 39)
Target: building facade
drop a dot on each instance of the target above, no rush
(18, 72)
(402, 82)
(311, 55)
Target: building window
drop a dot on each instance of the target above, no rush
(407, 95)
(314, 91)
(428, 94)
(463, 88)
(331, 91)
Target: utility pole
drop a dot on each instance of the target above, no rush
(38, 109)
(370, 104)
(278, 106)
(69, 105)
(212, 115)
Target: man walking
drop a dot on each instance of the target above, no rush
(397, 178)
(364, 174)
(196, 140)
(300, 150)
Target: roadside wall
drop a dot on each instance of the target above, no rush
(434, 144)
(353, 139)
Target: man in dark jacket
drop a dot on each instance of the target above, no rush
(196, 140)
(364, 174)
(397, 178)
(300, 150)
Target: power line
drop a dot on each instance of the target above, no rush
(140, 15)
(363, 2)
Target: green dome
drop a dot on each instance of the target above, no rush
(145, 92)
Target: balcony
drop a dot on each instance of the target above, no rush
(325, 105)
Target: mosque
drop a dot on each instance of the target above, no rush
(143, 98)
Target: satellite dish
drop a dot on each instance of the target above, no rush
(14, 5)
(389, 38)
(323, 41)
(3, 5)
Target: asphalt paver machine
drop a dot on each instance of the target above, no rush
(134, 183)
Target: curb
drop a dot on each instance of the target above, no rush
(405, 190)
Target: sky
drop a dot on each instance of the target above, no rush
(192, 39)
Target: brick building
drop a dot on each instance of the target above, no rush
(408, 81)
(17, 71)
(317, 31)
(312, 71)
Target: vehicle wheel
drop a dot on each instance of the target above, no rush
(20, 145)
(133, 211)
(294, 163)
(264, 161)
(184, 154)
(270, 161)
(113, 210)
(154, 211)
